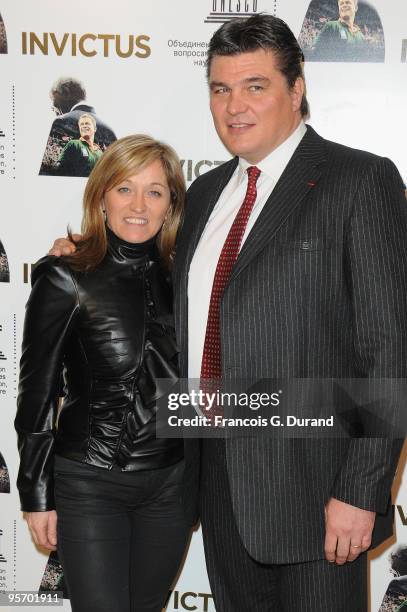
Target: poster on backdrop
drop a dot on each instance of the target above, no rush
(76, 79)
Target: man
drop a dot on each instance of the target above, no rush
(395, 597)
(291, 263)
(80, 155)
(68, 97)
(4, 268)
(341, 39)
(3, 37)
(318, 290)
(4, 476)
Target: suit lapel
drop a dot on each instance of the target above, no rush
(302, 172)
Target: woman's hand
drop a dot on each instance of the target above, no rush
(63, 246)
(43, 527)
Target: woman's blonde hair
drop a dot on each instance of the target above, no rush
(123, 158)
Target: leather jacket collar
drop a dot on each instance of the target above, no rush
(127, 252)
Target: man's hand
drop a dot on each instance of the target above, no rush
(63, 246)
(348, 531)
(43, 527)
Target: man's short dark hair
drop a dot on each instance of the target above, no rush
(266, 32)
(399, 560)
(72, 90)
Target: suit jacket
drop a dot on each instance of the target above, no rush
(319, 290)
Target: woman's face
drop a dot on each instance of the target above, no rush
(136, 207)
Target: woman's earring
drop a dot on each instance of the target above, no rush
(103, 207)
(165, 220)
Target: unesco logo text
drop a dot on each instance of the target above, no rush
(225, 10)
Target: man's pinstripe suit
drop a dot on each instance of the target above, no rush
(319, 290)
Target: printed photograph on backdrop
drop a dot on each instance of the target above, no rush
(53, 578)
(3, 36)
(342, 31)
(4, 268)
(78, 136)
(4, 476)
(395, 598)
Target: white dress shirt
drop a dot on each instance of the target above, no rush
(207, 253)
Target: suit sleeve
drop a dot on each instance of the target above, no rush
(376, 261)
(50, 313)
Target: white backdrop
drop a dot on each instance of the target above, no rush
(162, 93)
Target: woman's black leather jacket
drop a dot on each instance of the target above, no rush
(111, 330)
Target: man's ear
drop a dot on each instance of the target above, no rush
(297, 92)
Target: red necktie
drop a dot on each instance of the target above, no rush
(211, 367)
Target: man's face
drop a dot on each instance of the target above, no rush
(86, 128)
(347, 9)
(253, 109)
(59, 103)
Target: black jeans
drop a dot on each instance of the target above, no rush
(121, 535)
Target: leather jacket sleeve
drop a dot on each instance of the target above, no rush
(51, 309)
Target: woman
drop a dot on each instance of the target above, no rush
(99, 485)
